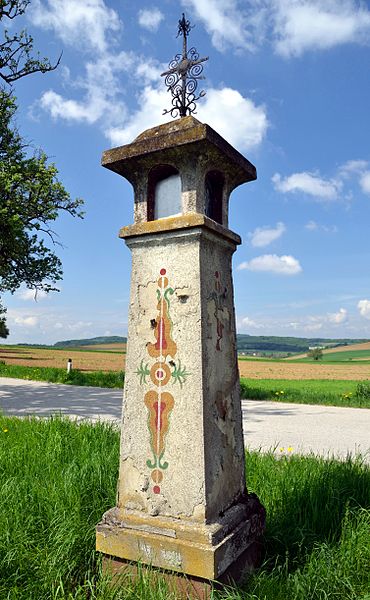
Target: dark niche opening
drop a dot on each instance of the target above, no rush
(214, 187)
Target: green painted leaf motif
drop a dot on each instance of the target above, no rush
(168, 291)
(143, 372)
(180, 374)
(163, 465)
(152, 464)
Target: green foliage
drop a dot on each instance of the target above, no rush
(58, 478)
(4, 331)
(327, 392)
(363, 390)
(17, 57)
(266, 343)
(315, 353)
(31, 197)
(105, 379)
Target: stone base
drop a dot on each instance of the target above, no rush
(195, 549)
(187, 587)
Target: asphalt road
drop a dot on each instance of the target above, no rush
(322, 430)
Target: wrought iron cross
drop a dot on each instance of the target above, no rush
(182, 76)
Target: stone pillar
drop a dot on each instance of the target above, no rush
(182, 502)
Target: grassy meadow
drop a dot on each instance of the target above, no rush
(57, 479)
(106, 379)
(309, 391)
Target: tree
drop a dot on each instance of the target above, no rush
(315, 353)
(31, 196)
(4, 331)
(16, 50)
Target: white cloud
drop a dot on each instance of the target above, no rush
(78, 23)
(30, 321)
(218, 109)
(247, 322)
(301, 25)
(263, 236)
(31, 295)
(312, 327)
(313, 226)
(225, 21)
(101, 103)
(292, 27)
(353, 166)
(101, 88)
(150, 113)
(339, 317)
(271, 263)
(79, 325)
(326, 189)
(308, 183)
(364, 308)
(365, 182)
(150, 18)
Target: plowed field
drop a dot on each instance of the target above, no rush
(82, 360)
(284, 370)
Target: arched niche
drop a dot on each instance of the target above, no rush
(213, 194)
(164, 192)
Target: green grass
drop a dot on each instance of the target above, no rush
(331, 392)
(106, 379)
(57, 478)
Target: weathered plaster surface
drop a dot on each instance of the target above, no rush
(183, 480)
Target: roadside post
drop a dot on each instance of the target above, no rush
(182, 501)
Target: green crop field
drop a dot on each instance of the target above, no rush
(347, 355)
(343, 356)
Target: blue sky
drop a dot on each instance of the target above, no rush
(287, 84)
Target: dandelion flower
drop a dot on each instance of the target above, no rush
(5, 430)
(290, 449)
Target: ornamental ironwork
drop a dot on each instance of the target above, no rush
(183, 74)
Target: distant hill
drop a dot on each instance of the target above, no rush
(261, 344)
(111, 339)
(248, 344)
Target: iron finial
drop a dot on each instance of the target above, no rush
(182, 76)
